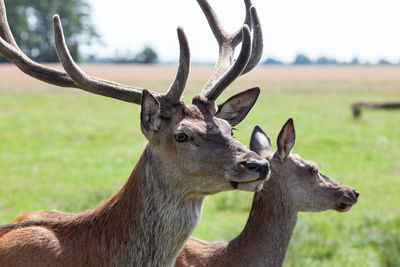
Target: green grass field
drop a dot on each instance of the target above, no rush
(68, 150)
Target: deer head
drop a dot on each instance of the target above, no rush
(192, 142)
(305, 186)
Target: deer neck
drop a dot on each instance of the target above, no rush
(147, 222)
(269, 228)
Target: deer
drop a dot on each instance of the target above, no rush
(296, 185)
(148, 220)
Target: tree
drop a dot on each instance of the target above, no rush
(383, 62)
(31, 23)
(272, 61)
(326, 61)
(355, 61)
(302, 60)
(147, 56)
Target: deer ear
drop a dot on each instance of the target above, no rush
(150, 112)
(260, 142)
(286, 139)
(235, 109)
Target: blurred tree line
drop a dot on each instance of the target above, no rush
(32, 27)
(301, 59)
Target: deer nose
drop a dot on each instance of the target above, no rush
(262, 167)
(356, 193)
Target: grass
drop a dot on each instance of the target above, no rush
(70, 151)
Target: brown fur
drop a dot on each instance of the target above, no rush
(41, 215)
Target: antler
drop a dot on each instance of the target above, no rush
(75, 77)
(250, 54)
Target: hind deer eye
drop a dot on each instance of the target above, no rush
(181, 137)
(313, 171)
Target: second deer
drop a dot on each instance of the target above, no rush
(296, 185)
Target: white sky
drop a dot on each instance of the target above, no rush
(343, 29)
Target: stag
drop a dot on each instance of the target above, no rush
(295, 185)
(149, 219)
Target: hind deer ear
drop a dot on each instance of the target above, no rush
(286, 139)
(150, 113)
(235, 109)
(260, 142)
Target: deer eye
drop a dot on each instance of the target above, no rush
(181, 137)
(313, 171)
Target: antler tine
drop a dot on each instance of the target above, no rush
(237, 36)
(213, 21)
(86, 82)
(224, 70)
(5, 31)
(236, 69)
(10, 49)
(32, 68)
(258, 46)
(179, 84)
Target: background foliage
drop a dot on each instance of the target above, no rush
(31, 23)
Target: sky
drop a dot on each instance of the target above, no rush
(341, 29)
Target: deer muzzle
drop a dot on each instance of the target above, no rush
(261, 167)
